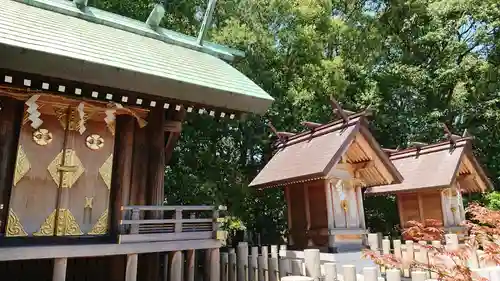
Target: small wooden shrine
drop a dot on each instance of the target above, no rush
(322, 172)
(435, 178)
(91, 107)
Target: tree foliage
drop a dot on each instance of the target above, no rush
(416, 63)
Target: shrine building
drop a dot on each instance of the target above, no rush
(91, 107)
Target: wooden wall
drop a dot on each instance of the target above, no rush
(137, 179)
(308, 210)
(419, 206)
(27, 270)
(297, 209)
(318, 213)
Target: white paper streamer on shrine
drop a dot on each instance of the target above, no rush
(111, 116)
(34, 114)
(81, 115)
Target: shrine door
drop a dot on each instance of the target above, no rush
(63, 173)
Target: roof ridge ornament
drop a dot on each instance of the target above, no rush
(207, 20)
(155, 16)
(339, 111)
(311, 125)
(81, 4)
(282, 136)
(418, 146)
(450, 136)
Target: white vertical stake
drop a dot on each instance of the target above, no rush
(330, 271)
(349, 272)
(312, 263)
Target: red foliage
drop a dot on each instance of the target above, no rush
(430, 230)
(450, 264)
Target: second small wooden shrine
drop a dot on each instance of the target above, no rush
(322, 172)
(435, 178)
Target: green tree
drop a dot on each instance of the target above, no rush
(415, 62)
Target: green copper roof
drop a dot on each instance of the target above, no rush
(94, 46)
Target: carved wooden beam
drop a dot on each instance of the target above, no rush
(466, 177)
(311, 125)
(174, 116)
(363, 165)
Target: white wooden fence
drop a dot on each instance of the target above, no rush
(410, 251)
(275, 263)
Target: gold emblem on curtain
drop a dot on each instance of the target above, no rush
(94, 142)
(22, 165)
(14, 226)
(42, 137)
(106, 170)
(66, 224)
(71, 170)
(101, 226)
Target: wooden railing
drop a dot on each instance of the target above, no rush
(167, 223)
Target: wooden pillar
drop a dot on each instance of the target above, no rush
(447, 216)
(308, 214)
(122, 169)
(131, 269)
(190, 264)
(253, 264)
(155, 178)
(361, 208)
(156, 170)
(232, 270)
(139, 167)
(399, 203)
(214, 264)
(138, 189)
(460, 202)
(420, 207)
(224, 267)
(330, 215)
(120, 184)
(59, 273)
(11, 114)
(242, 261)
(289, 214)
(175, 259)
(166, 265)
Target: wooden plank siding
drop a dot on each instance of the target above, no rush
(419, 206)
(318, 213)
(298, 214)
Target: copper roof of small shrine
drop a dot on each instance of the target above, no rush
(313, 154)
(56, 39)
(435, 166)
